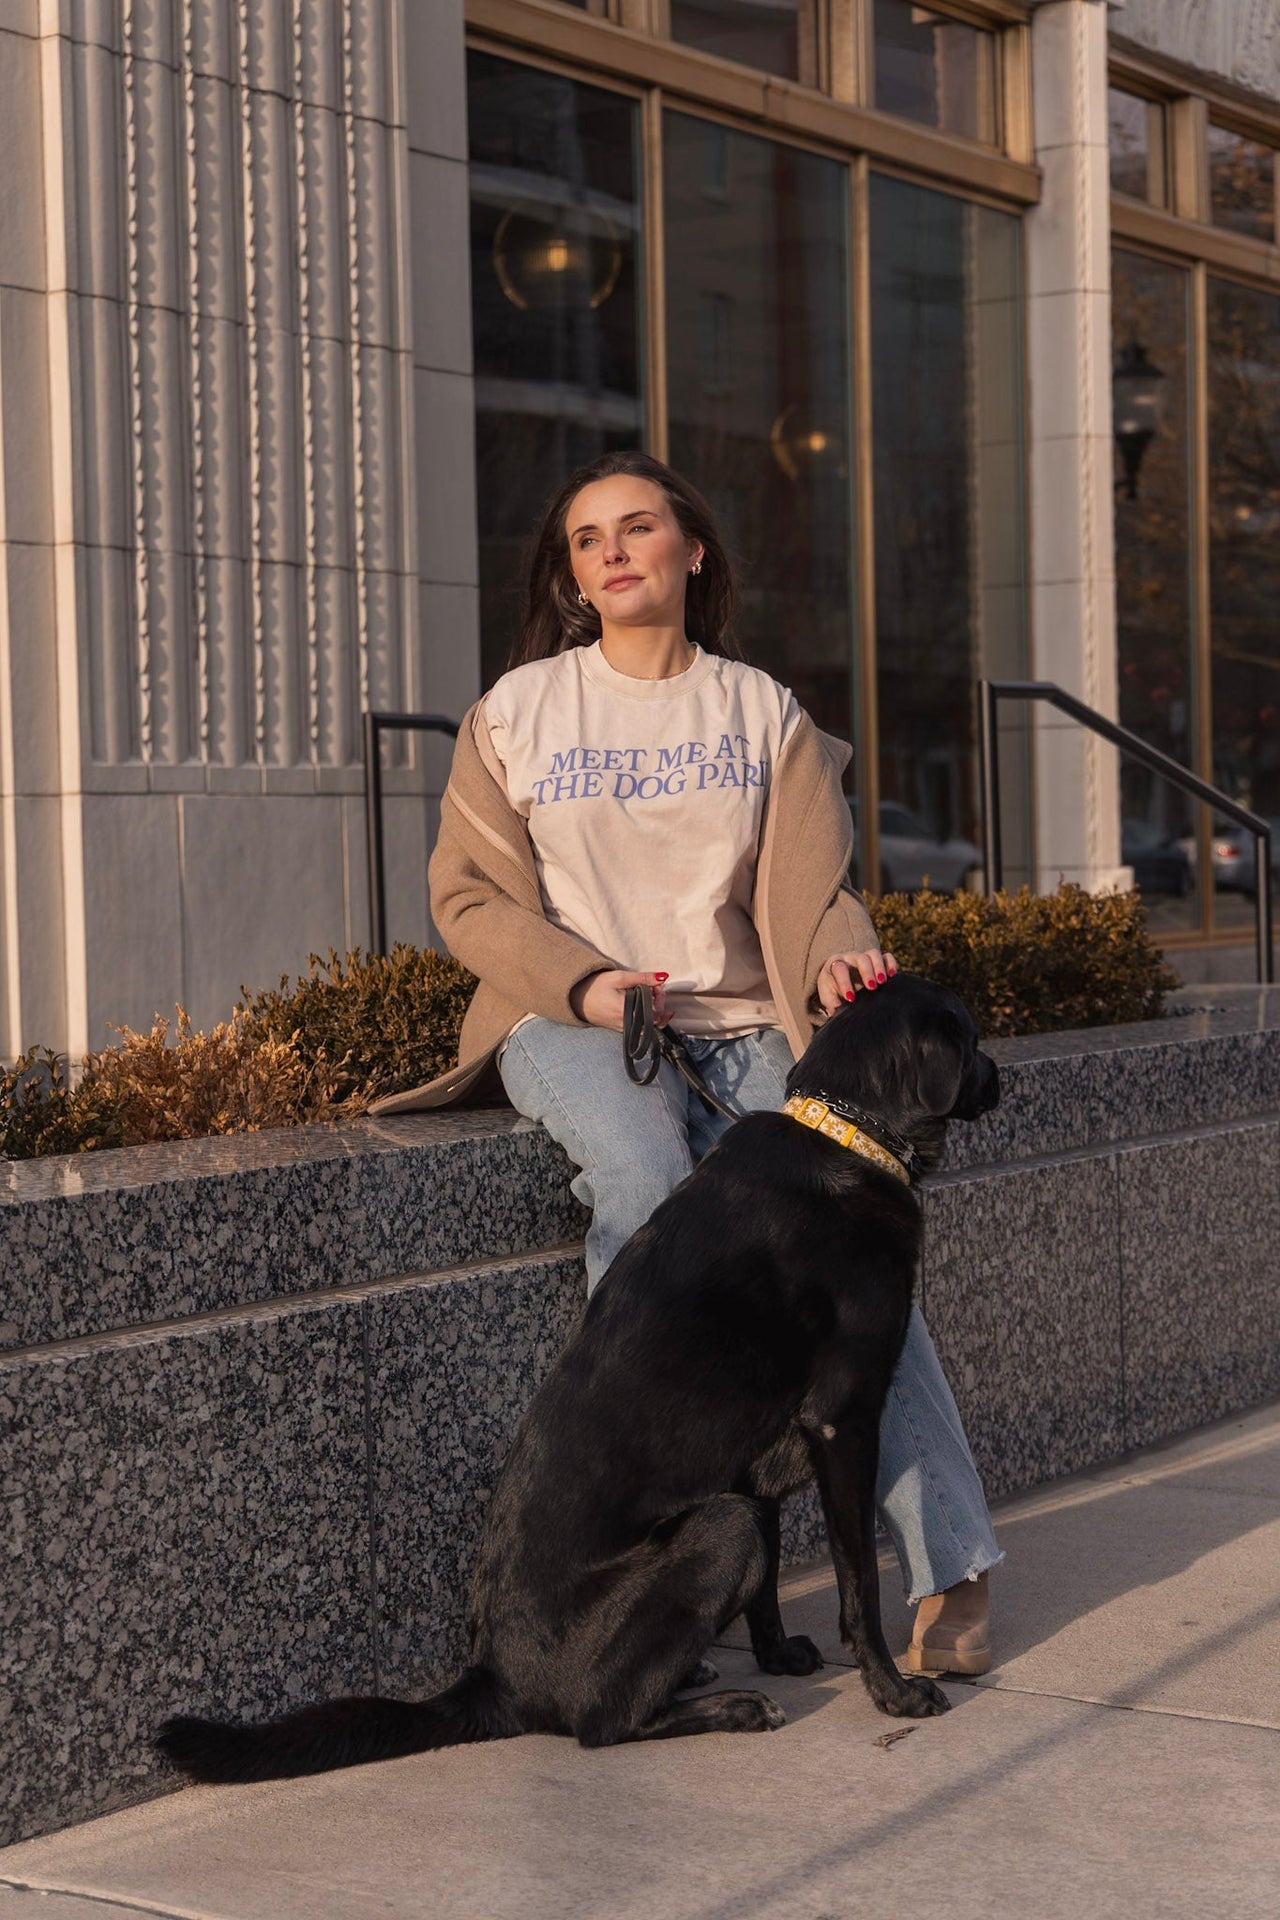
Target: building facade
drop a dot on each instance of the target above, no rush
(965, 317)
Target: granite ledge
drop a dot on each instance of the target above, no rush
(65, 1176)
(1234, 1010)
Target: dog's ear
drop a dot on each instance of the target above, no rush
(942, 1063)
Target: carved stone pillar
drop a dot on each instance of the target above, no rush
(1069, 366)
(212, 474)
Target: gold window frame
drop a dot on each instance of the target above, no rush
(621, 44)
(1181, 234)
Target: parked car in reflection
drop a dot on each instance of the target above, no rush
(1234, 865)
(911, 857)
(1160, 864)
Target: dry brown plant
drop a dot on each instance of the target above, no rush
(233, 1079)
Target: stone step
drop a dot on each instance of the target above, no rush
(1097, 1086)
(96, 1241)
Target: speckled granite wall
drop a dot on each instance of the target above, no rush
(254, 1395)
(1021, 1290)
(245, 1511)
(103, 1240)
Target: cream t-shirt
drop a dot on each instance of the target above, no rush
(644, 801)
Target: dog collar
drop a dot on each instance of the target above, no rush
(828, 1120)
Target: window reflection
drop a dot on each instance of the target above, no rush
(554, 231)
(934, 69)
(949, 538)
(759, 33)
(1244, 568)
(1136, 141)
(1242, 183)
(1150, 322)
(758, 379)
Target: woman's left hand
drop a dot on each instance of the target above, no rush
(844, 973)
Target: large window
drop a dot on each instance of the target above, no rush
(555, 304)
(946, 319)
(1151, 313)
(1136, 143)
(757, 329)
(1244, 561)
(1196, 392)
(1242, 183)
(658, 274)
(936, 69)
(758, 33)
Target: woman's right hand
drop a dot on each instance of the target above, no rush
(601, 998)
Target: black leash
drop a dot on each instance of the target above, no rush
(645, 1046)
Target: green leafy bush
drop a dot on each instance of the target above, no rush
(1031, 963)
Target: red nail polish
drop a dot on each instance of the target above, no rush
(662, 976)
(880, 976)
(848, 996)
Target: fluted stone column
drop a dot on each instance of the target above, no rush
(1069, 365)
(209, 496)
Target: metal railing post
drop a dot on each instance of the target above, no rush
(1262, 906)
(373, 831)
(375, 724)
(992, 860)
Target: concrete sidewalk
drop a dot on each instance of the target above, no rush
(1123, 1759)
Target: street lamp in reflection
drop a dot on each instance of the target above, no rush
(805, 445)
(1136, 398)
(556, 257)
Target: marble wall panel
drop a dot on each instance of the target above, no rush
(91, 1243)
(187, 1530)
(452, 1366)
(1200, 1248)
(1021, 1290)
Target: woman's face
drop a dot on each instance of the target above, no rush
(627, 553)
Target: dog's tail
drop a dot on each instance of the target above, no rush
(341, 1733)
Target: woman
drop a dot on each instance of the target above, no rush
(631, 805)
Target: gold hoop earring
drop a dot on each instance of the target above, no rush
(583, 601)
(696, 567)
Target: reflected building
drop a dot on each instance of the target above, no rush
(965, 317)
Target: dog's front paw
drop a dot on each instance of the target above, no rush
(796, 1655)
(908, 1699)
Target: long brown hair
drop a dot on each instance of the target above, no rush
(554, 617)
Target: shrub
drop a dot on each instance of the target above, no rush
(1031, 963)
(41, 1113)
(235, 1079)
(354, 1028)
(369, 1024)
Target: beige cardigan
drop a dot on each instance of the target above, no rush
(486, 902)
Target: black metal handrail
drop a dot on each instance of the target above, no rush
(375, 725)
(991, 692)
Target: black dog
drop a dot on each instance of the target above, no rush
(742, 1341)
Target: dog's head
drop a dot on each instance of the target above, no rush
(907, 1054)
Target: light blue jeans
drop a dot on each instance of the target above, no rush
(634, 1144)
